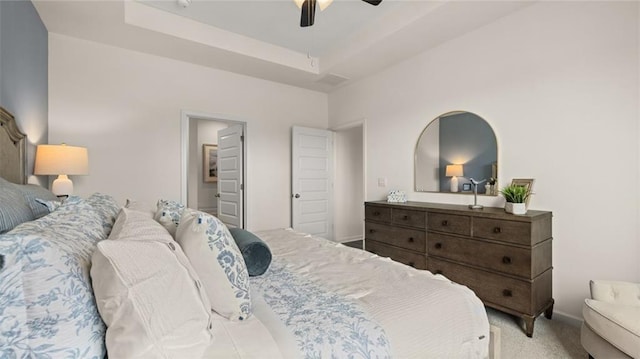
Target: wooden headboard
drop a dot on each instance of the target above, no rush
(13, 149)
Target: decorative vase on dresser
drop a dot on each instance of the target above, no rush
(515, 208)
(505, 259)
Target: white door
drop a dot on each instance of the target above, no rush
(312, 181)
(230, 177)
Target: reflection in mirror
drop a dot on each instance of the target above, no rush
(456, 138)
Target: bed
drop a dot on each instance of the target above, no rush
(317, 299)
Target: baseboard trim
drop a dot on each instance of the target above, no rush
(349, 239)
(567, 319)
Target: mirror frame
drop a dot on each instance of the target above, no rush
(415, 154)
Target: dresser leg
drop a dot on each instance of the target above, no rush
(548, 313)
(528, 325)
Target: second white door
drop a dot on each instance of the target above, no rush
(312, 181)
(230, 176)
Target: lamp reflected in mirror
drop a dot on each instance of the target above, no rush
(454, 171)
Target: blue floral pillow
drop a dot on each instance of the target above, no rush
(47, 306)
(216, 258)
(169, 214)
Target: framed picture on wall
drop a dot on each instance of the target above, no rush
(210, 163)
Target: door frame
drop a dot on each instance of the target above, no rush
(188, 115)
(346, 126)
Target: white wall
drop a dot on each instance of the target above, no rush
(348, 191)
(125, 107)
(558, 81)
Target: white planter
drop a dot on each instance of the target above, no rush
(515, 208)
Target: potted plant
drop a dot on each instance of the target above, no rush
(516, 197)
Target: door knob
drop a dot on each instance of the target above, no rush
(297, 195)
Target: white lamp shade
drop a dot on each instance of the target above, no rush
(61, 160)
(453, 171)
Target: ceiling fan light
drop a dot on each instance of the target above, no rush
(324, 4)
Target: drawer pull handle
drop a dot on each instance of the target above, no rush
(405, 218)
(438, 245)
(506, 260)
(412, 264)
(507, 293)
(497, 230)
(445, 223)
(372, 231)
(410, 239)
(376, 213)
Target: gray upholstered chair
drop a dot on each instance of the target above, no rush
(611, 327)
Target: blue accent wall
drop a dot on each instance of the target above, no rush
(24, 75)
(466, 139)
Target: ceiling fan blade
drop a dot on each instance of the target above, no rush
(308, 13)
(373, 2)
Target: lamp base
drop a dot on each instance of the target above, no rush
(454, 184)
(62, 186)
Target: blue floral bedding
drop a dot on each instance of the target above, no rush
(47, 307)
(325, 325)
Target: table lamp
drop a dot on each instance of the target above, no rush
(454, 171)
(61, 160)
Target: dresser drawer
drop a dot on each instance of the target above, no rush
(396, 236)
(500, 230)
(491, 288)
(407, 217)
(449, 223)
(506, 259)
(376, 213)
(416, 260)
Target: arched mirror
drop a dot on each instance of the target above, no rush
(452, 149)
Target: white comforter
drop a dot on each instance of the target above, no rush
(423, 315)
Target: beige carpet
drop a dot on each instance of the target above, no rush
(551, 338)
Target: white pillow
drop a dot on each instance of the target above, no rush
(138, 225)
(168, 214)
(218, 261)
(148, 209)
(148, 294)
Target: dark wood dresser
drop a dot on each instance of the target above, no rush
(505, 259)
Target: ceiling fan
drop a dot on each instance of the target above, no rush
(308, 8)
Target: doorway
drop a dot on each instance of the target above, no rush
(204, 179)
(349, 184)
